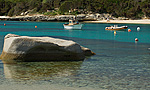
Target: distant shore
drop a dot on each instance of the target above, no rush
(81, 18)
(142, 21)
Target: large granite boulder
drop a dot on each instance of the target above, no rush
(24, 48)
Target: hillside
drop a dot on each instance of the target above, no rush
(134, 9)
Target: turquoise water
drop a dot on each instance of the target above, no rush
(120, 63)
(90, 31)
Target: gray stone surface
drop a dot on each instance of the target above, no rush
(24, 48)
(83, 17)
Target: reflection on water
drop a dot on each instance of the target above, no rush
(40, 70)
(115, 31)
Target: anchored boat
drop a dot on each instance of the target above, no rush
(73, 25)
(115, 27)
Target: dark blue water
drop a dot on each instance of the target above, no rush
(120, 62)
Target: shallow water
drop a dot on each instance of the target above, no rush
(119, 63)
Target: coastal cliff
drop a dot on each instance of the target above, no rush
(27, 49)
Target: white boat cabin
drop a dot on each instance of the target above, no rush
(71, 22)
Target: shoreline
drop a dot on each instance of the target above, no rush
(61, 18)
(142, 21)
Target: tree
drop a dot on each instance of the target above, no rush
(66, 6)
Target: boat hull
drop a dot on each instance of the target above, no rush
(116, 28)
(78, 26)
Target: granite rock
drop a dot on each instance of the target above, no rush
(24, 48)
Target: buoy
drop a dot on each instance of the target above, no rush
(4, 24)
(138, 28)
(136, 39)
(115, 32)
(35, 26)
(129, 30)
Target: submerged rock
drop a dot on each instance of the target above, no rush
(40, 71)
(24, 48)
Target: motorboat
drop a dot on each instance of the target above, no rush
(115, 27)
(73, 25)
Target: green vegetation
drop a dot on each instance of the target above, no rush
(125, 8)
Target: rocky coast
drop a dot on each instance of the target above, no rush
(41, 17)
(86, 18)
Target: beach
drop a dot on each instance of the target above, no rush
(142, 21)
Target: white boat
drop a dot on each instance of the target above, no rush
(73, 25)
(115, 27)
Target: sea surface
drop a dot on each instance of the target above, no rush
(120, 63)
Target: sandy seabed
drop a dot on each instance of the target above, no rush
(42, 87)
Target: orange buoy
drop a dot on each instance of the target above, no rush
(4, 24)
(136, 39)
(129, 30)
(115, 32)
(35, 26)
